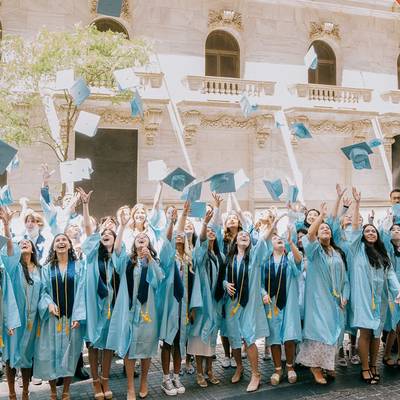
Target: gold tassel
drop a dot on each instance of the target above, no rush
(59, 326)
(235, 309)
(109, 312)
(29, 325)
(146, 317)
(373, 305)
(269, 315)
(38, 330)
(391, 306)
(1, 341)
(187, 319)
(276, 310)
(335, 293)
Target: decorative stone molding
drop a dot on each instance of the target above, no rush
(224, 18)
(319, 30)
(191, 121)
(125, 9)
(390, 128)
(298, 119)
(361, 129)
(392, 95)
(152, 120)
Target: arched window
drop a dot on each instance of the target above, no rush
(325, 73)
(398, 72)
(222, 55)
(108, 24)
(396, 161)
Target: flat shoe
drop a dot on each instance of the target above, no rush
(318, 379)
(201, 381)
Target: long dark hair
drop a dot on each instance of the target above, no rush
(52, 257)
(305, 223)
(376, 252)
(134, 253)
(396, 251)
(103, 252)
(34, 260)
(335, 247)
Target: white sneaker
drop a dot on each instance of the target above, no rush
(169, 388)
(226, 362)
(180, 389)
(19, 379)
(36, 381)
(233, 362)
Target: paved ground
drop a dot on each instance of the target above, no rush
(346, 386)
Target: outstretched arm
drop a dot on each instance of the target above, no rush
(85, 197)
(207, 219)
(6, 216)
(340, 192)
(118, 241)
(356, 212)
(183, 217)
(313, 229)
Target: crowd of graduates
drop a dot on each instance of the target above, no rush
(142, 284)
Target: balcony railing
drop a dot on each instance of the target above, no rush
(230, 86)
(333, 94)
(147, 79)
(392, 95)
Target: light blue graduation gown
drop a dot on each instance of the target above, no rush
(248, 323)
(174, 315)
(208, 312)
(367, 282)
(9, 315)
(97, 321)
(19, 348)
(130, 333)
(287, 324)
(57, 353)
(323, 318)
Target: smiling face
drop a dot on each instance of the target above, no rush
(267, 217)
(300, 236)
(180, 238)
(312, 216)
(395, 232)
(278, 243)
(31, 224)
(169, 212)
(141, 240)
(232, 221)
(395, 198)
(243, 239)
(324, 232)
(73, 231)
(189, 228)
(139, 216)
(61, 244)
(25, 246)
(347, 220)
(107, 238)
(370, 234)
(210, 234)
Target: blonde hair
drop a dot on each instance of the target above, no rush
(187, 255)
(134, 210)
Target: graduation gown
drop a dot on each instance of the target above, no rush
(369, 304)
(286, 325)
(323, 318)
(174, 315)
(249, 322)
(101, 294)
(58, 347)
(134, 327)
(19, 348)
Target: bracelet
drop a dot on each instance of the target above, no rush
(345, 206)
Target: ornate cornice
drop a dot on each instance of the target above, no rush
(320, 30)
(125, 9)
(224, 18)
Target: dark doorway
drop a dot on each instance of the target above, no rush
(113, 153)
(396, 161)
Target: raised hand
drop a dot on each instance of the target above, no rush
(46, 174)
(356, 195)
(347, 202)
(6, 215)
(323, 210)
(124, 218)
(186, 208)
(208, 216)
(340, 192)
(217, 199)
(371, 217)
(85, 197)
(174, 216)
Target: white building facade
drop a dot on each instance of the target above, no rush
(209, 53)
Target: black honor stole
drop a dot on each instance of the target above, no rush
(63, 289)
(241, 282)
(277, 288)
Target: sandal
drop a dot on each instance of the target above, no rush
(108, 395)
(53, 396)
(254, 382)
(389, 362)
(291, 374)
(97, 395)
(201, 381)
(276, 376)
(375, 375)
(370, 380)
(65, 396)
(318, 377)
(212, 378)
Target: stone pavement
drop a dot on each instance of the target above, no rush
(346, 386)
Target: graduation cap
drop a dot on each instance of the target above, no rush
(52, 118)
(222, 183)
(7, 153)
(198, 209)
(5, 196)
(87, 123)
(64, 79)
(240, 179)
(178, 179)
(137, 105)
(126, 78)
(157, 170)
(293, 192)
(275, 188)
(192, 193)
(247, 106)
(14, 164)
(311, 59)
(300, 130)
(75, 170)
(79, 91)
(109, 7)
(374, 142)
(358, 153)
